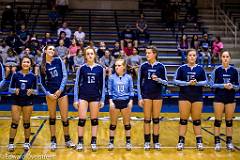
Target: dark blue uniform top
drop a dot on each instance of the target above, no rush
(55, 78)
(90, 82)
(147, 86)
(221, 76)
(23, 82)
(183, 76)
(2, 75)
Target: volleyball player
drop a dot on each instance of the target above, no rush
(2, 75)
(190, 78)
(225, 80)
(120, 88)
(89, 92)
(23, 86)
(151, 78)
(53, 81)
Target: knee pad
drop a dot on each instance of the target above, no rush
(81, 122)
(147, 120)
(197, 122)
(183, 121)
(217, 123)
(127, 127)
(155, 120)
(229, 123)
(14, 125)
(65, 123)
(112, 127)
(52, 121)
(26, 125)
(94, 122)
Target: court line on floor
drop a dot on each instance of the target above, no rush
(33, 139)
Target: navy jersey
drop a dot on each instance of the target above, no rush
(120, 88)
(183, 76)
(23, 83)
(2, 75)
(221, 76)
(146, 85)
(90, 82)
(55, 77)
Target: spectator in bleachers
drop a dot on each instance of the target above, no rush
(142, 28)
(101, 49)
(26, 52)
(79, 59)
(62, 7)
(20, 18)
(217, 48)
(79, 35)
(47, 40)
(13, 40)
(62, 51)
(195, 44)
(11, 62)
(107, 61)
(128, 35)
(205, 47)
(182, 47)
(53, 17)
(65, 29)
(92, 45)
(129, 49)
(62, 36)
(116, 50)
(72, 52)
(123, 55)
(37, 61)
(133, 63)
(8, 18)
(34, 45)
(23, 35)
(3, 50)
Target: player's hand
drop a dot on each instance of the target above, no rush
(193, 82)
(57, 93)
(75, 105)
(52, 96)
(141, 103)
(111, 104)
(17, 91)
(101, 104)
(130, 104)
(154, 77)
(228, 86)
(29, 92)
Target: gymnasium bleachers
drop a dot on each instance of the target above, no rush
(233, 11)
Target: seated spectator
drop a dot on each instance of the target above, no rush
(62, 7)
(20, 18)
(79, 59)
(13, 40)
(79, 35)
(195, 44)
(205, 50)
(3, 50)
(92, 45)
(63, 37)
(101, 49)
(23, 35)
(11, 62)
(34, 45)
(116, 50)
(26, 52)
(128, 35)
(72, 52)
(217, 48)
(47, 40)
(133, 63)
(37, 61)
(107, 61)
(8, 18)
(53, 17)
(129, 49)
(182, 47)
(65, 29)
(142, 28)
(62, 51)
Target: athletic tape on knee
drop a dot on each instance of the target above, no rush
(26, 125)
(155, 120)
(94, 122)
(52, 121)
(112, 127)
(183, 121)
(147, 120)
(127, 127)
(14, 125)
(229, 123)
(81, 122)
(197, 122)
(65, 123)
(217, 123)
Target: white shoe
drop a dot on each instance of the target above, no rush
(69, 144)
(180, 146)
(157, 146)
(79, 147)
(230, 147)
(26, 146)
(147, 146)
(11, 147)
(199, 146)
(53, 146)
(128, 146)
(217, 147)
(94, 147)
(110, 146)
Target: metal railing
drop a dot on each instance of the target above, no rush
(229, 26)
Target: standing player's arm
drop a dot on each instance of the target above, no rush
(65, 77)
(163, 77)
(12, 87)
(35, 86)
(179, 82)
(204, 81)
(212, 81)
(130, 104)
(139, 81)
(110, 91)
(102, 85)
(76, 86)
(3, 76)
(236, 83)
(43, 85)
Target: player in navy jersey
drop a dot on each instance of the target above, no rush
(120, 88)
(225, 81)
(53, 81)
(23, 86)
(191, 78)
(151, 78)
(89, 92)
(2, 75)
